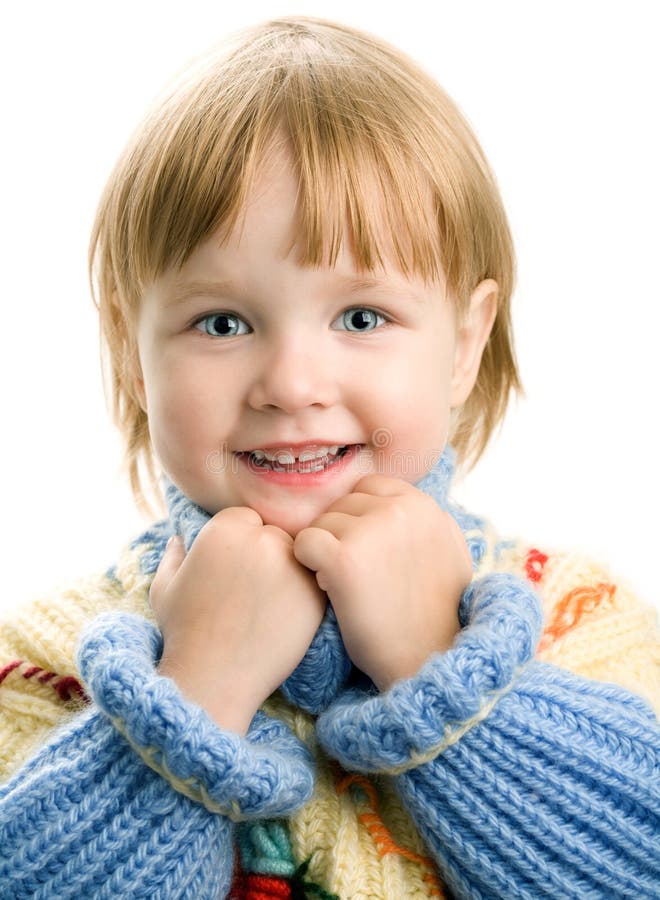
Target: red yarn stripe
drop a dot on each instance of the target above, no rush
(32, 671)
(534, 564)
(9, 668)
(66, 686)
(259, 887)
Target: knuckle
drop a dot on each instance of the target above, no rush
(275, 534)
(351, 556)
(369, 484)
(272, 547)
(227, 524)
(231, 515)
(398, 512)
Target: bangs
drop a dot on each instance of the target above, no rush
(349, 182)
(362, 165)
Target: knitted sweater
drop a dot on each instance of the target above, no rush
(521, 763)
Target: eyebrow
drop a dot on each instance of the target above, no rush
(360, 285)
(186, 290)
(183, 291)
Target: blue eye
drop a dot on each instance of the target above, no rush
(219, 325)
(360, 318)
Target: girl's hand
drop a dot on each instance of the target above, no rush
(237, 614)
(394, 566)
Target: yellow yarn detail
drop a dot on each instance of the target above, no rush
(332, 831)
(45, 633)
(26, 720)
(367, 802)
(613, 639)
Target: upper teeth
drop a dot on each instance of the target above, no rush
(286, 457)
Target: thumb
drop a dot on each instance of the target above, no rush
(315, 548)
(175, 553)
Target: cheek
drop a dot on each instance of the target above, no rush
(416, 380)
(178, 409)
(409, 411)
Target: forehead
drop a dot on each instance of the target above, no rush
(287, 217)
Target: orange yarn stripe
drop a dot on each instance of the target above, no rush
(381, 836)
(573, 607)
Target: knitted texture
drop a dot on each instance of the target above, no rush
(119, 816)
(511, 776)
(419, 717)
(88, 818)
(268, 774)
(37, 653)
(517, 773)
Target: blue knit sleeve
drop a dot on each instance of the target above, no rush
(525, 781)
(136, 797)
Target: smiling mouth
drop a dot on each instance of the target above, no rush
(258, 460)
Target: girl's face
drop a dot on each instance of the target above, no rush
(244, 349)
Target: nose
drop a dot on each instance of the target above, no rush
(293, 373)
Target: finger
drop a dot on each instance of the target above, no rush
(239, 514)
(383, 486)
(354, 504)
(336, 523)
(315, 548)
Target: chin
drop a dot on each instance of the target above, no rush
(291, 528)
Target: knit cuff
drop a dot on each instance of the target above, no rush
(419, 717)
(267, 773)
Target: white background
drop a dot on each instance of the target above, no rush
(564, 99)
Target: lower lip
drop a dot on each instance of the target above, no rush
(302, 479)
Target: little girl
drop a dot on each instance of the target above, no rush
(319, 677)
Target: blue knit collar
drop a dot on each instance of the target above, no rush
(187, 518)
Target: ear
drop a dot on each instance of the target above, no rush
(471, 336)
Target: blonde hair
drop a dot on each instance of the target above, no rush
(357, 115)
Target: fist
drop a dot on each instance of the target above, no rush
(237, 614)
(394, 566)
